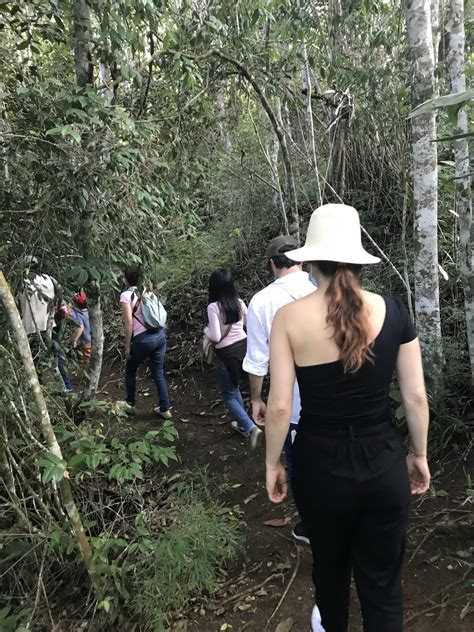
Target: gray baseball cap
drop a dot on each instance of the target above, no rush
(281, 244)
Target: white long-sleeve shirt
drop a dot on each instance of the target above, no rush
(261, 312)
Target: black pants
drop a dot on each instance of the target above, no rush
(353, 493)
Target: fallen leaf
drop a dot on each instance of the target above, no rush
(185, 421)
(441, 493)
(225, 626)
(466, 610)
(285, 626)
(236, 485)
(250, 498)
(277, 522)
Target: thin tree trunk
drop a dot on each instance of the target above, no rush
(435, 31)
(309, 120)
(221, 122)
(82, 43)
(275, 120)
(97, 336)
(82, 38)
(4, 128)
(463, 200)
(425, 189)
(278, 200)
(104, 90)
(46, 425)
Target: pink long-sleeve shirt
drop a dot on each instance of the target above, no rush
(216, 327)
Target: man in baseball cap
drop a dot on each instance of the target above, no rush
(290, 284)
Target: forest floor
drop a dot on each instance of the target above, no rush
(269, 587)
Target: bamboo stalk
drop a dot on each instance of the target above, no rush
(46, 426)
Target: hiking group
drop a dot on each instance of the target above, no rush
(331, 349)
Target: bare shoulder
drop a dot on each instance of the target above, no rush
(373, 299)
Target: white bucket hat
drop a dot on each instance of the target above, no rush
(333, 235)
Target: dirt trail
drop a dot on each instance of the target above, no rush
(273, 566)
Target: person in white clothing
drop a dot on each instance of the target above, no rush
(290, 284)
(37, 299)
(37, 305)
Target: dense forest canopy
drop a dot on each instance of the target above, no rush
(183, 135)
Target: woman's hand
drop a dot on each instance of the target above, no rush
(128, 354)
(419, 473)
(258, 412)
(277, 487)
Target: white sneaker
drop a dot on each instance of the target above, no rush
(255, 436)
(235, 427)
(164, 414)
(316, 621)
(125, 406)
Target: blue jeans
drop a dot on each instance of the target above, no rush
(59, 353)
(233, 399)
(152, 345)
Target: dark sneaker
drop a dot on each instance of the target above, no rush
(300, 533)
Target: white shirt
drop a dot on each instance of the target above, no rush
(261, 312)
(36, 304)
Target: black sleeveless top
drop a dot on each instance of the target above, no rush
(332, 398)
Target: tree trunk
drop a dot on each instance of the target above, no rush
(435, 30)
(4, 129)
(97, 336)
(221, 121)
(82, 39)
(278, 200)
(82, 43)
(309, 120)
(425, 189)
(46, 425)
(463, 200)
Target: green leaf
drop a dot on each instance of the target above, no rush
(455, 99)
(455, 137)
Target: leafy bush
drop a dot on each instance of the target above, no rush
(184, 562)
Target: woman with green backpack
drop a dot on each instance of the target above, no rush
(145, 338)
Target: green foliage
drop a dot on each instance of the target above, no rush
(52, 468)
(184, 561)
(89, 456)
(451, 102)
(12, 621)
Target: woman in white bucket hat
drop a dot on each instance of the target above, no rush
(352, 474)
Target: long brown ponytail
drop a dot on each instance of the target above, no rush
(346, 314)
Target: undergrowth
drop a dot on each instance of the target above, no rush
(184, 562)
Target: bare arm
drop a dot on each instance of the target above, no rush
(280, 403)
(413, 391)
(128, 322)
(77, 334)
(256, 383)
